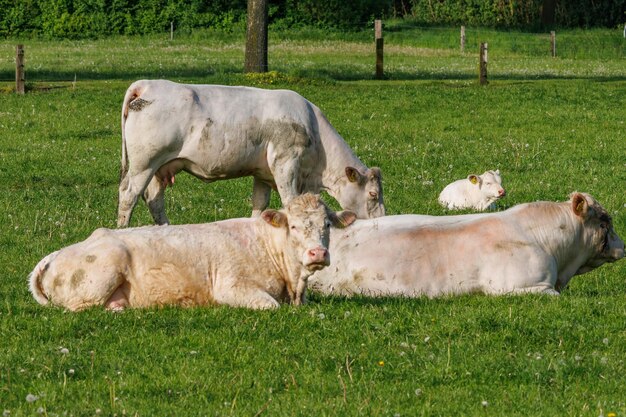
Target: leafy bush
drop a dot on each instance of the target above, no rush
(96, 18)
(348, 14)
(516, 14)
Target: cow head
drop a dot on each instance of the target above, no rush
(489, 185)
(307, 222)
(599, 237)
(362, 192)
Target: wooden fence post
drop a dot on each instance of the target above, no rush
(553, 43)
(462, 39)
(19, 70)
(378, 35)
(172, 30)
(483, 64)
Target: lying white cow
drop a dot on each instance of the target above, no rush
(219, 132)
(536, 247)
(253, 262)
(478, 192)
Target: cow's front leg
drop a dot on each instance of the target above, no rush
(300, 296)
(245, 296)
(154, 197)
(538, 289)
(261, 192)
(286, 178)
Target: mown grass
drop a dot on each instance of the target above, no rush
(551, 126)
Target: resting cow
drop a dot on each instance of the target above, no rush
(536, 247)
(219, 132)
(478, 192)
(252, 262)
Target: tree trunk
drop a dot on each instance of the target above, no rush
(548, 11)
(256, 37)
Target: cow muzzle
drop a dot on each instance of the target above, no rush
(616, 254)
(317, 258)
(615, 247)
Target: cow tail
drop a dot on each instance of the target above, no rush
(35, 277)
(131, 94)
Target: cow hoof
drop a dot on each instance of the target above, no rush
(116, 307)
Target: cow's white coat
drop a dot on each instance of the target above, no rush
(478, 192)
(535, 247)
(252, 262)
(220, 132)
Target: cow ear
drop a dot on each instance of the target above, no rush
(579, 204)
(473, 178)
(353, 174)
(274, 218)
(342, 219)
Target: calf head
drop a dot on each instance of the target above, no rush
(599, 237)
(489, 185)
(307, 222)
(362, 193)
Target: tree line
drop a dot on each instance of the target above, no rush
(97, 18)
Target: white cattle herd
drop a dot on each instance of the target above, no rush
(285, 143)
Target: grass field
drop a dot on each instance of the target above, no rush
(551, 125)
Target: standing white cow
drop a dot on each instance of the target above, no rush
(252, 262)
(478, 192)
(220, 132)
(536, 247)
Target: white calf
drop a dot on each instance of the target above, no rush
(478, 192)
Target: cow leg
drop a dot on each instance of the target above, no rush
(284, 171)
(131, 187)
(300, 297)
(118, 300)
(261, 192)
(245, 296)
(539, 289)
(154, 197)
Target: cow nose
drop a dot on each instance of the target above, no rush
(502, 193)
(318, 256)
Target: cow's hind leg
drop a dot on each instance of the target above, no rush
(131, 187)
(95, 273)
(154, 197)
(261, 192)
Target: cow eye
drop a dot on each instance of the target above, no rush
(373, 194)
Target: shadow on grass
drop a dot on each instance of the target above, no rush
(315, 73)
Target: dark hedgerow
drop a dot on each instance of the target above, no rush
(96, 18)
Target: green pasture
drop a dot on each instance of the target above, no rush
(551, 125)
